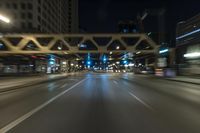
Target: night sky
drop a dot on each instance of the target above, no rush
(103, 15)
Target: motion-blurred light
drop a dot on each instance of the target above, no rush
(192, 55)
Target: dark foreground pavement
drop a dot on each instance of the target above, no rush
(102, 103)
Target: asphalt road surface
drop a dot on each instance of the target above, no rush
(102, 103)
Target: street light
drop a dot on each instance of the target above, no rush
(59, 48)
(125, 62)
(104, 59)
(117, 47)
(64, 63)
(139, 52)
(4, 19)
(88, 63)
(164, 51)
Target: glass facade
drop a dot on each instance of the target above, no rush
(188, 46)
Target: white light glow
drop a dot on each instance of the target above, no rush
(164, 51)
(131, 64)
(1, 35)
(110, 59)
(82, 45)
(51, 62)
(192, 55)
(138, 52)
(64, 63)
(59, 48)
(126, 65)
(117, 47)
(52, 59)
(188, 34)
(4, 19)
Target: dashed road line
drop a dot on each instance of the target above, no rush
(115, 82)
(142, 102)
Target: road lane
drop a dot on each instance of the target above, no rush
(97, 105)
(14, 104)
(175, 102)
(35, 110)
(114, 103)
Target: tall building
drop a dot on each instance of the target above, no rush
(188, 45)
(40, 16)
(73, 19)
(36, 16)
(128, 27)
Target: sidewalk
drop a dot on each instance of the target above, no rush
(8, 83)
(184, 79)
(191, 80)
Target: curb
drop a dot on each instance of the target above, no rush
(175, 80)
(183, 81)
(30, 84)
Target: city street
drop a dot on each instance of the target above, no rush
(103, 66)
(102, 103)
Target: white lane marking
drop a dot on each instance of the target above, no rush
(63, 86)
(142, 102)
(115, 82)
(32, 112)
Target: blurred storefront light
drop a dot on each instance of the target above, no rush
(192, 55)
